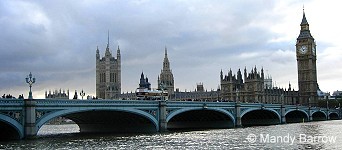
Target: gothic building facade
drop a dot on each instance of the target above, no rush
(165, 80)
(251, 88)
(200, 94)
(244, 86)
(108, 74)
(254, 87)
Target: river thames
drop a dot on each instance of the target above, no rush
(310, 135)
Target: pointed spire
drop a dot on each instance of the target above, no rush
(108, 53)
(166, 63)
(165, 52)
(289, 86)
(118, 55)
(142, 75)
(97, 53)
(304, 28)
(304, 21)
(108, 39)
(221, 75)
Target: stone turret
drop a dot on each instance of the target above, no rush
(108, 74)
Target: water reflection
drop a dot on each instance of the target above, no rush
(69, 138)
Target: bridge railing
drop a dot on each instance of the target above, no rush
(196, 102)
(11, 102)
(61, 102)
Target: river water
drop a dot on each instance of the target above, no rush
(311, 135)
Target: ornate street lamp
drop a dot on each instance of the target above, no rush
(82, 94)
(30, 81)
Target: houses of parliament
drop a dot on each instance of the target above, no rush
(244, 86)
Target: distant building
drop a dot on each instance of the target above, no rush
(128, 96)
(108, 74)
(144, 84)
(165, 80)
(251, 88)
(254, 87)
(268, 84)
(200, 87)
(336, 94)
(198, 95)
(57, 94)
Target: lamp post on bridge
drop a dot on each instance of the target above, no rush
(82, 94)
(30, 81)
(30, 130)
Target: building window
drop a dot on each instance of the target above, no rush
(102, 77)
(115, 77)
(111, 77)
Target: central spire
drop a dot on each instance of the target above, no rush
(165, 52)
(165, 80)
(166, 64)
(108, 40)
(107, 53)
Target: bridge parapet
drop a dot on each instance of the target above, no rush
(61, 103)
(11, 102)
(198, 104)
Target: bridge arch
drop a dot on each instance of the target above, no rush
(259, 116)
(94, 119)
(10, 128)
(296, 116)
(319, 115)
(333, 116)
(196, 118)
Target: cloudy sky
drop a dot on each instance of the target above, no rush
(57, 40)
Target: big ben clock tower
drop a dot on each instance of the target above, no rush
(306, 65)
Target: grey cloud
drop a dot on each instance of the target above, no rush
(57, 39)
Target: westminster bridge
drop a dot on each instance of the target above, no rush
(21, 118)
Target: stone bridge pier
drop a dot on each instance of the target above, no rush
(162, 116)
(30, 118)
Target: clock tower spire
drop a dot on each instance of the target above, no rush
(306, 65)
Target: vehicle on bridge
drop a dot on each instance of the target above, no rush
(154, 94)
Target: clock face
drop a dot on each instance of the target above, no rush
(303, 49)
